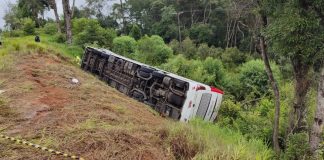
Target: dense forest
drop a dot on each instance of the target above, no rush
(267, 55)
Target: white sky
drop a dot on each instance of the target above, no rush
(3, 8)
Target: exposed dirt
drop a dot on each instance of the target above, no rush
(88, 119)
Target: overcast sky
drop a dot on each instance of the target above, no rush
(4, 4)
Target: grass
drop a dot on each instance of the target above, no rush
(23, 45)
(5, 110)
(202, 140)
(195, 140)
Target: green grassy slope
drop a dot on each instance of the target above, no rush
(197, 139)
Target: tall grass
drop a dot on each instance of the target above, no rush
(28, 45)
(209, 141)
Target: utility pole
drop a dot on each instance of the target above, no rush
(123, 16)
(179, 27)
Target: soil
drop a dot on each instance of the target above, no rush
(89, 119)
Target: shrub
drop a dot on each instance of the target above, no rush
(254, 79)
(229, 110)
(202, 140)
(16, 33)
(175, 45)
(204, 51)
(94, 32)
(60, 38)
(233, 57)
(297, 146)
(80, 24)
(152, 50)
(50, 28)
(88, 31)
(188, 49)
(135, 32)
(124, 45)
(214, 68)
(201, 33)
(28, 26)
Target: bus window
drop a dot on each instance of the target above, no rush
(203, 105)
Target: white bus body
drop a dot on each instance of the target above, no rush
(169, 94)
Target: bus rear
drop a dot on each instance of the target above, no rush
(202, 101)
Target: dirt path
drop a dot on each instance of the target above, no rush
(39, 103)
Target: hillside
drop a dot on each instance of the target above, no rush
(39, 103)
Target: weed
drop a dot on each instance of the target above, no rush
(202, 140)
(119, 109)
(5, 111)
(28, 86)
(92, 124)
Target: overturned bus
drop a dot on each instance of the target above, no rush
(169, 94)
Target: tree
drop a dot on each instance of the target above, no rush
(11, 17)
(52, 4)
(135, 32)
(67, 17)
(188, 48)
(315, 136)
(317, 128)
(88, 31)
(201, 33)
(32, 9)
(28, 26)
(261, 24)
(294, 33)
(152, 50)
(124, 45)
(166, 26)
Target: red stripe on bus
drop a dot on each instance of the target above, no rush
(214, 89)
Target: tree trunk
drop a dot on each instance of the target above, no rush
(73, 7)
(297, 121)
(57, 18)
(275, 136)
(317, 128)
(67, 18)
(274, 84)
(123, 16)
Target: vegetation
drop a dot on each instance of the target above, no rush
(266, 55)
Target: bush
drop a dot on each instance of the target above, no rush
(254, 79)
(88, 31)
(210, 71)
(80, 24)
(135, 32)
(201, 33)
(28, 26)
(60, 38)
(202, 140)
(16, 33)
(233, 57)
(215, 69)
(297, 146)
(175, 45)
(50, 28)
(228, 112)
(188, 49)
(124, 45)
(204, 51)
(152, 50)
(94, 32)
